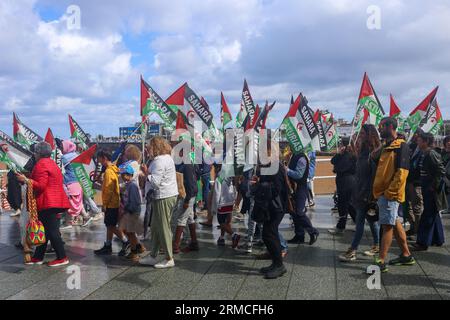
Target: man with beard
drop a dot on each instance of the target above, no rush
(389, 189)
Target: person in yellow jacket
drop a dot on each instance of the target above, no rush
(389, 190)
(111, 202)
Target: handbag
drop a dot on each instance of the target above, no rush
(35, 229)
(373, 213)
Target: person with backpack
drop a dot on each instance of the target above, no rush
(362, 198)
(344, 166)
(269, 191)
(298, 172)
(414, 197)
(432, 173)
(392, 161)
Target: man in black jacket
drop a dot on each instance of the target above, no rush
(344, 166)
(184, 212)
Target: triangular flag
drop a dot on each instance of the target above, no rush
(84, 168)
(369, 108)
(225, 114)
(418, 114)
(23, 134)
(433, 120)
(78, 135)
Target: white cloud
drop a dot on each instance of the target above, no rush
(321, 48)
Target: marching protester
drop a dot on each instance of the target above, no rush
(311, 174)
(269, 190)
(73, 188)
(51, 200)
(413, 186)
(446, 161)
(389, 189)
(344, 164)
(362, 199)
(162, 180)
(184, 210)
(111, 203)
(298, 172)
(432, 173)
(223, 202)
(131, 222)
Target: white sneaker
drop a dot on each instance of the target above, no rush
(165, 264)
(88, 222)
(148, 261)
(15, 213)
(66, 227)
(98, 216)
(336, 231)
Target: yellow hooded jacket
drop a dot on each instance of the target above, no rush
(110, 187)
(392, 171)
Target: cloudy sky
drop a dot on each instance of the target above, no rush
(282, 47)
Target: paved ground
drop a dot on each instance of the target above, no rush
(314, 272)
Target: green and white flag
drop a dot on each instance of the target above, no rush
(84, 168)
(15, 156)
(433, 120)
(247, 109)
(78, 135)
(395, 113)
(23, 134)
(151, 102)
(300, 126)
(369, 108)
(416, 117)
(225, 114)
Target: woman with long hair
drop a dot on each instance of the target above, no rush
(162, 179)
(362, 199)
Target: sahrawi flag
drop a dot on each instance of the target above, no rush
(56, 152)
(322, 143)
(331, 133)
(247, 109)
(77, 134)
(299, 125)
(84, 168)
(395, 113)
(16, 156)
(152, 102)
(369, 108)
(417, 116)
(225, 114)
(186, 132)
(24, 135)
(433, 121)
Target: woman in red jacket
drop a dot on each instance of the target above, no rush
(51, 200)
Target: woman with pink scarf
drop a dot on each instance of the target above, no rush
(73, 188)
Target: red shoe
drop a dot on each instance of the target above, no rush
(34, 261)
(57, 263)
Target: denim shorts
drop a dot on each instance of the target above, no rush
(388, 211)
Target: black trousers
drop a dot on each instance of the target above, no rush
(271, 238)
(344, 192)
(52, 234)
(300, 219)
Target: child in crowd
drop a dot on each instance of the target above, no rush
(131, 221)
(111, 201)
(224, 198)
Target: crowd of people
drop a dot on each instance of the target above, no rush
(379, 176)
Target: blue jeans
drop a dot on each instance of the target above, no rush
(205, 188)
(284, 245)
(301, 221)
(360, 222)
